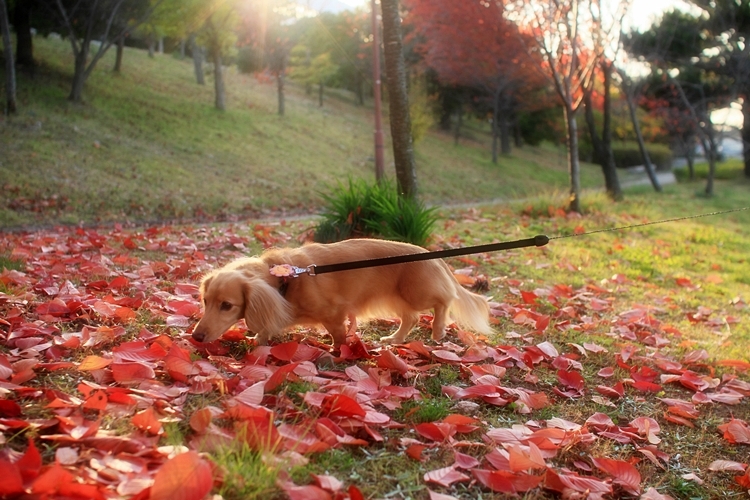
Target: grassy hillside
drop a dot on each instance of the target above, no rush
(147, 144)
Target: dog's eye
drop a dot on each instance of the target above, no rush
(225, 306)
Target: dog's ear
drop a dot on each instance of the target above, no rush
(266, 311)
(204, 284)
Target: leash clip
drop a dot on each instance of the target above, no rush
(290, 271)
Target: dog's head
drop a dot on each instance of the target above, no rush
(229, 295)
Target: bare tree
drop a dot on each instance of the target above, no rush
(571, 36)
(10, 73)
(84, 21)
(398, 99)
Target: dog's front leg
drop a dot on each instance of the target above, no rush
(261, 338)
(337, 330)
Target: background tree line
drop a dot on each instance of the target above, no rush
(534, 70)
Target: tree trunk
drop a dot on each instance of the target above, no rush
(280, 91)
(160, 45)
(182, 48)
(641, 144)
(79, 73)
(10, 71)
(574, 165)
(504, 134)
(398, 100)
(118, 54)
(24, 41)
(197, 60)
(459, 122)
(746, 131)
(495, 125)
(688, 148)
(221, 100)
(151, 46)
(603, 153)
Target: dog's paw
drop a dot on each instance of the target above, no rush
(392, 339)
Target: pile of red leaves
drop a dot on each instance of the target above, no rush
(93, 309)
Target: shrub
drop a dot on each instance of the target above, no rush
(373, 210)
(629, 155)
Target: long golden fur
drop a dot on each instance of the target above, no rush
(246, 289)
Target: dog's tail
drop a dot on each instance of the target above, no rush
(471, 311)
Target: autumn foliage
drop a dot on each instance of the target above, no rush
(97, 369)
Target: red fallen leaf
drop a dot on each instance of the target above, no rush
(97, 401)
(623, 473)
(736, 431)
(147, 422)
(9, 409)
(744, 480)
(327, 482)
(579, 230)
(462, 423)
(654, 455)
(30, 463)
(279, 376)
(390, 361)
(52, 480)
(647, 427)
(435, 431)
(684, 282)
(253, 395)
(200, 420)
(506, 482)
(12, 483)
(119, 282)
(647, 386)
(724, 465)
(339, 405)
(414, 451)
(464, 461)
(521, 459)
(126, 373)
(653, 494)
(307, 492)
(571, 481)
(445, 477)
(186, 476)
(439, 496)
(446, 356)
(285, 351)
(732, 363)
(6, 371)
(571, 379)
(529, 297)
(616, 391)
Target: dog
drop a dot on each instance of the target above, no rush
(247, 289)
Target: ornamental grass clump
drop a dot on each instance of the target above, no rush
(360, 209)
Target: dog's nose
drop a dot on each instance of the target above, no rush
(199, 336)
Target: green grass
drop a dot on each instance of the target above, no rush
(148, 145)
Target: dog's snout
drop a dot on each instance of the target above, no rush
(199, 336)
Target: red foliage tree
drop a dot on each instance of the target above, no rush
(471, 45)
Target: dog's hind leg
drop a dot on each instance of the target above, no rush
(439, 322)
(408, 321)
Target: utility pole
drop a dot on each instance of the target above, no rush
(379, 168)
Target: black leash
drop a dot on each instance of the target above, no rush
(285, 270)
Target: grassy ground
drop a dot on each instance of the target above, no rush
(148, 145)
(689, 276)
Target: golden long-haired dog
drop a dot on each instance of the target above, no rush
(246, 289)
